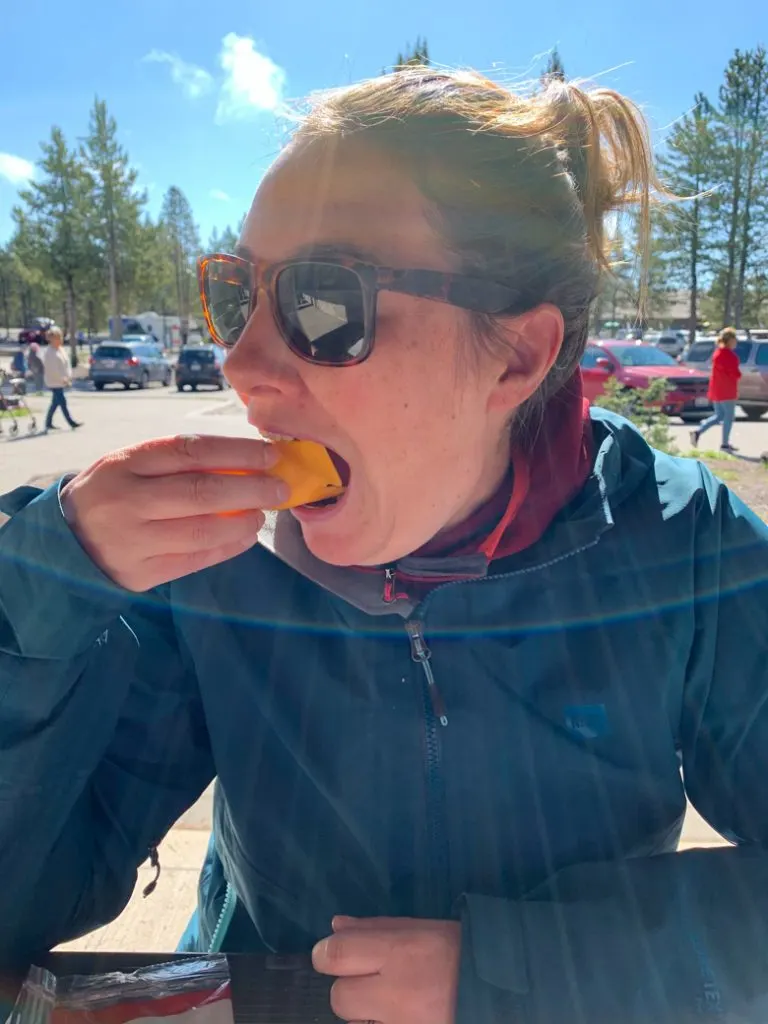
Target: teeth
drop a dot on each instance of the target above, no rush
(276, 437)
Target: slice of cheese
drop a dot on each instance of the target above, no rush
(308, 470)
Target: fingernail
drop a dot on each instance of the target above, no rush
(319, 952)
(282, 491)
(271, 456)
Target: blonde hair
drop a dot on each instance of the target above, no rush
(727, 334)
(54, 332)
(519, 186)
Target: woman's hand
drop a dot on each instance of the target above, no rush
(154, 512)
(392, 970)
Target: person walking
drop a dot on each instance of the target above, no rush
(723, 390)
(36, 368)
(57, 377)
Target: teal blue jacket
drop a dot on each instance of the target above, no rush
(541, 804)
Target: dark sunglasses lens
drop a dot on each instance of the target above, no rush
(228, 293)
(322, 311)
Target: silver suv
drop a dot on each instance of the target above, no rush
(753, 357)
(133, 361)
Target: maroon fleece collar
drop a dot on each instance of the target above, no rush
(543, 478)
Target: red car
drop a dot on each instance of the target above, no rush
(635, 366)
(36, 330)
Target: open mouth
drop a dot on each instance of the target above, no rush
(342, 468)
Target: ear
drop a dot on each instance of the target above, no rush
(534, 341)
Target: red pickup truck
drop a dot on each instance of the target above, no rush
(634, 366)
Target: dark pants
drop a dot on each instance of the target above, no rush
(58, 401)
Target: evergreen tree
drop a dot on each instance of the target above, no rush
(115, 206)
(686, 228)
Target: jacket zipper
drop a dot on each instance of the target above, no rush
(421, 654)
(225, 918)
(434, 712)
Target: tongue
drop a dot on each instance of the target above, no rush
(340, 465)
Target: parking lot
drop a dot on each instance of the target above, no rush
(112, 419)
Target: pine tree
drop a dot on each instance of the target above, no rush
(181, 232)
(755, 215)
(55, 222)
(732, 132)
(686, 228)
(554, 69)
(116, 205)
(226, 241)
(415, 55)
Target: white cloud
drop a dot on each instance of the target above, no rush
(252, 84)
(16, 169)
(195, 81)
(222, 197)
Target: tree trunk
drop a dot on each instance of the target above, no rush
(72, 321)
(733, 228)
(114, 303)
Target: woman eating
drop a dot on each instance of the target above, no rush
(447, 709)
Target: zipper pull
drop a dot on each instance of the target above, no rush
(389, 586)
(419, 650)
(421, 654)
(154, 861)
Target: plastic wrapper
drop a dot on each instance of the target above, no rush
(193, 991)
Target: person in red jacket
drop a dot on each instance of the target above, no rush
(723, 389)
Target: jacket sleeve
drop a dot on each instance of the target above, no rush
(102, 738)
(677, 937)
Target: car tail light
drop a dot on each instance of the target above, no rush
(91, 361)
(133, 361)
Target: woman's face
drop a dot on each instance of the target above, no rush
(420, 424)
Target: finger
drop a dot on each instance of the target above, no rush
(183, 495)
(352, 953)
(199, 533)
(357, 999)
(174, 567)
(201, 452)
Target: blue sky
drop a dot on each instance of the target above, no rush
(196, 86)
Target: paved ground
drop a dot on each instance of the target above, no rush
(115, 419)
(112, 419)
(751, 438)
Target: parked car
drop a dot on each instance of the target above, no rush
(753, 357)
(672, 342)
(635, 366)
(36, 330)
(133, 360)
(200, 364)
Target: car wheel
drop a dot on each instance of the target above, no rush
(753, 412)
(126, 385)
(99, 385)
(220, 385)
(144, 380)
(693, 417)
(193, 386)
(166, 380)
(179, 387)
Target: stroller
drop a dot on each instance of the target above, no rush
(13, 401)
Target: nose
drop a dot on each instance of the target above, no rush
(261, 363)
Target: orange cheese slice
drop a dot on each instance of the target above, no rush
(308, 470)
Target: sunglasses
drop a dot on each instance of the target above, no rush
(325, 309)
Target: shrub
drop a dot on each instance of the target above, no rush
(643, 407)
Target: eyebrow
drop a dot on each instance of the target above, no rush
(319, 251)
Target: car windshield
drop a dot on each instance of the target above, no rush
(641, 355)
(701, 352)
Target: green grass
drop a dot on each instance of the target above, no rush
(711, 454)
